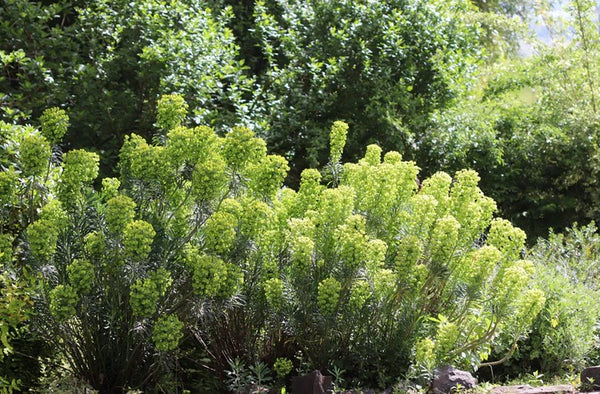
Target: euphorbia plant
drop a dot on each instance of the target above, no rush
(197, 236)
(383, 271)
(125, 269)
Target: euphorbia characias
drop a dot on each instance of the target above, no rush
(373, 268)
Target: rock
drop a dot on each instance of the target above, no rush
(448, 379)
(510, 389)
(590, 379)
(526, 389)
(312, 383)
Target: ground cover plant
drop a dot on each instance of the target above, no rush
(197, 242)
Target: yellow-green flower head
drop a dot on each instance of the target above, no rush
(63, 301)
(446, 337)
(191, 145)
(8, 186)
(110, 188)
(409, 251)
(424, 352)
(508, 239)
(42, 235)
(274, 292)
(81, 275)
(240, 148)
(170, 111)
(328, 296)
(120, 211)
(373, 155)
(79, 166)
(206, 273)
(167, 333)
(392, 157)
(359, 295)
(302, 249)
(54, 124)
(267, 176)
(143, 297)
(255, 217)
(336, 205)
(209, 178)
(337, 137)
(283, 367)
(138, 237)
(94, 244)
(55, 214)
(438, 186)
(220, 232)
(34, 152)
(444, 238)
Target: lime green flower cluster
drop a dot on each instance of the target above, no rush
(469, 206)
(381, 188)
(42, 235)
(144, 162)
(81, 275)
(444, 239)
(360, 294)
(167, 333)
(352, 242)
(273, 288)
(145, 294)
(335, 205)
(446, 338)
(63, 301)
(35, 155)
(337, 140)
(309, 191)
(255, 217)
(120, 211)
(283, 366)
(302, 249)
(409, 251)
(53, 213)
(372, 155)
(143, 297)
(8, 183)
(328, 296)
(110, 188)
(171, 110)
(211, 276)
(220, 232)
(79, 167)
(267, 176)
(138, 237)
(94, 244)
(54, 124)
(241, 148)
(425, 354)
(191, 146)
(508, 239)
(209, 178)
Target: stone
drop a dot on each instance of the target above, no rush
(449, 379)
(312, 383)
(526, 389)
(590, 379)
